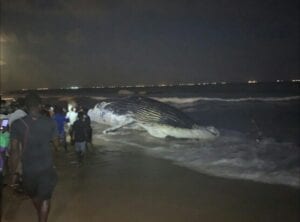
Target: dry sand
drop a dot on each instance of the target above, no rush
(130, 187)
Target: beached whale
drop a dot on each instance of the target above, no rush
(157, 118)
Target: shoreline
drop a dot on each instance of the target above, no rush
(125, 186)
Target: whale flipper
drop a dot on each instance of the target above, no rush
(115, 128)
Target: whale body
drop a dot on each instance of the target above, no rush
(157, 118)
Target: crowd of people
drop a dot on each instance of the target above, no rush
(29, 130)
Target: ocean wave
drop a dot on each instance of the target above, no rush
(178, 100)
(230, 156)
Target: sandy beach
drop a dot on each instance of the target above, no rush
(124, 186)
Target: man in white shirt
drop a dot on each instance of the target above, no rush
(72, 116)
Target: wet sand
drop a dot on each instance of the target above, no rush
(131, 187)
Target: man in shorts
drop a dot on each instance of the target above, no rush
(34, 132)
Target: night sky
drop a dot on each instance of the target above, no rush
(60, 43)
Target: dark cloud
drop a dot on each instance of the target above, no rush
(57, 43)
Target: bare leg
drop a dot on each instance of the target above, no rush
(1, 183)
(79, 157)
(43, 208)
(65, 142)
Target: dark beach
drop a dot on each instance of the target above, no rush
(119, 184)
(194, 108)
(125, 186)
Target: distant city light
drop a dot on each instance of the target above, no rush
(42, 89)
(74, 87)
(278, 81)
(140, 86)
(162, 85)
